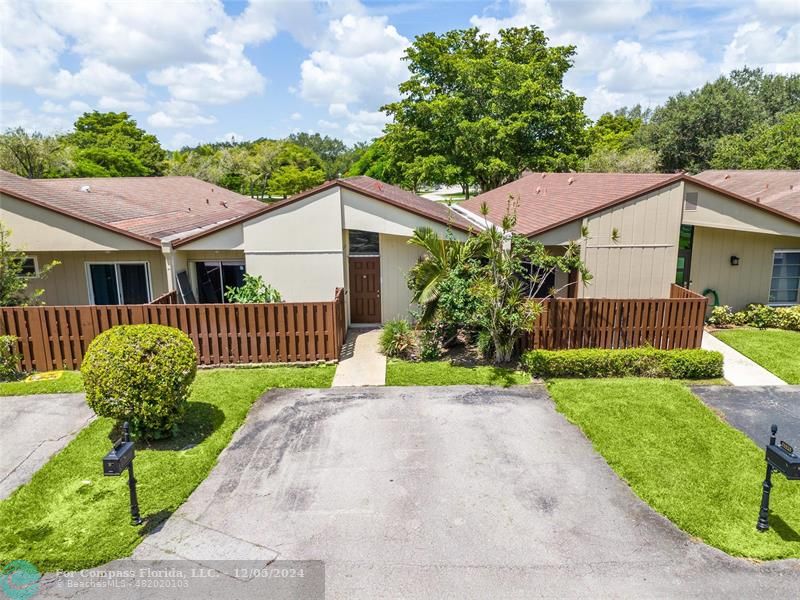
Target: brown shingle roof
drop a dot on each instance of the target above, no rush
(148, 208)
(547, 200)
(777, 189)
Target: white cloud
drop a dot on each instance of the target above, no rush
(29, 47)
(134, 35)
(356, 125)
(630, 67)
(296, 116)
(75, 106)
(18, 114)
(177, 113)
(181, 139)
(95, 78)
(359, 62)
(229, 77)
(772, 47)
(263, 19)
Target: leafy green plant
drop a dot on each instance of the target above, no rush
(254, 290)
(721, 316)
(9, 359)
(430, 346)
(397, 339)
(631, 362)
(140, 374)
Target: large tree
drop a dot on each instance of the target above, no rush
(761, 147)
(32, 155)
(684, 131)
(484, 109)
(112, 145)
(336, 156)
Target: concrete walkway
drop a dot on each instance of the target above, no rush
(362, 362)
(449, 492)
(33, 429)
(739, 369)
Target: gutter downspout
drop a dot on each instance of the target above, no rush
(169, 262)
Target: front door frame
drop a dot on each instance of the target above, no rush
(356, 297)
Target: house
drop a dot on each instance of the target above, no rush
(734, 236)
(130, 240)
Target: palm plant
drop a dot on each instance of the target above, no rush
(442, 256)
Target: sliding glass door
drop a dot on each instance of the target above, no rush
(215, 276)
(119, 283)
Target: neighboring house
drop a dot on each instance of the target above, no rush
(734, 234)
(130, 240)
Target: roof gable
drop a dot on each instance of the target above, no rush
(777, 189)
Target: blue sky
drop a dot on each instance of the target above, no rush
(207, 70)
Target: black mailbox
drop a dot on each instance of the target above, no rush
(780, 458)
(783, 459)
(116, 461)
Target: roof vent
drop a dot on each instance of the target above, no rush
(758, 199)
(223, 203)
(207, 202)
(570, 180)
(86, 188)
(727, 176)
(538, 189)
(544, 175)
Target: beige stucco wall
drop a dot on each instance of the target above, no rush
(298, 248)
(230, 238)
(67, 283)
(716, 210)
(741, 285)
(397, 258)
(641, 262)
(39, 229)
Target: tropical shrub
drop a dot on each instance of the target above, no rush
(631, 362)
(9, 359)
(140, 374)
(430, 346)
(721, 316)
(253, 290)
(397, 339)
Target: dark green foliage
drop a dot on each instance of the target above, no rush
(484, 109)
(336, 156)
(397, 339)
(140, 374)
(9, 359)
(112, 145)
(632, 362)
(430, 346)
(762, 146)
(253, 290)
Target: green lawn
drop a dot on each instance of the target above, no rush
(776, 350)
(400, 372)
(71, 517)
(680, 458)
(70, 381)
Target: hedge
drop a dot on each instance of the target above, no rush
(632, 362)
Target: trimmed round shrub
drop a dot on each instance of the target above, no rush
(140, 374)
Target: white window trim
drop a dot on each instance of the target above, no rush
(782, 251)
(35, 267)
(222, 261)
(116, 263)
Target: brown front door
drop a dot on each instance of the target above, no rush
(365, 289)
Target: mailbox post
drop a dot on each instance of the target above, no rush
(781, 458)
(119, 459)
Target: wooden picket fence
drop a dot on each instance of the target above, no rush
(664, 323)
(56, 337)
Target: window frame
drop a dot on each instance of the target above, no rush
(195, 282)
(772, 276)
(363, 254)
(35, 273)
(88, 268)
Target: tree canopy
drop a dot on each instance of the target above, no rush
(484, 109)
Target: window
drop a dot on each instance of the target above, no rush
(690, 201)
(215, 276)
(785, 285)
(30, 267)
(119, 283)
(363, 243)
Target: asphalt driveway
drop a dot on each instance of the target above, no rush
(753, 409)
(462, 492)
(32, 429)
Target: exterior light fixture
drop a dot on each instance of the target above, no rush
(734, 261)
(119, 459)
